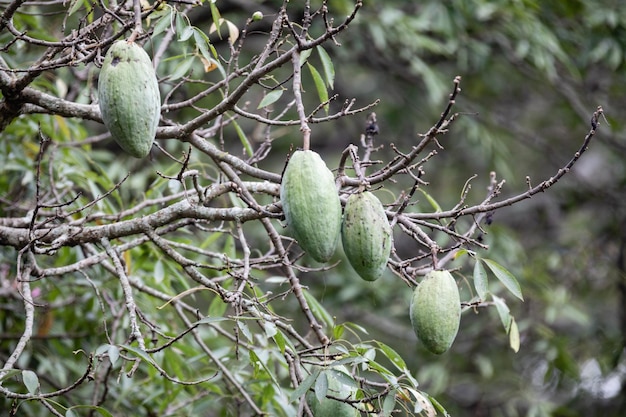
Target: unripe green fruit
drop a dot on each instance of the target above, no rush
(311, 204)
(366, 235)
(129, 98)
(436, 311)
(256, 16)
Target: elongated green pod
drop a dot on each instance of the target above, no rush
(436, 311)
(366, 235)
(311, 204)
(129, 98)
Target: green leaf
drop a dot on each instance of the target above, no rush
(514, 339)
(327, 65)
(114, 354)
(281, 341)
(215, 14)
(140, 353)
(382, 371)
(318, 310)
(437, 405)
(245, 330)
(481, 282)
(338, 331)
(210, 320)
(304, 56)
(322, 92)
(392, 355)
(503, 312)
(321, 386)
(31, 381)
(243, 138)
(270, 98)
(505, 278)
(433, 203)
(389, 403)
(270, 328)
(10, 373)
(305, 385)
(74, 6)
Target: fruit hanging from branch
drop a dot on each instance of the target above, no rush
(436, 311)
(129, 98)
(366, 235)
(311, 204)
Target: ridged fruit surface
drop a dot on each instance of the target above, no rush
(311, 204)
(329, 407)
(129, 98)
(366, 235)
(436, 311)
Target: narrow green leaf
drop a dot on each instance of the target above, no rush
(245, 330)
(304, 56)
(392, 355)
(31, 380)
(437, 405)
(514, 339)
(382, 371)
(342, 377)
(389, 403)
(182, 26)
(270, 328)
(75, 5)
(211, 320)
(270, 98)
(305, 385)
(318, 310)
(257, 362)
(321, 386)
(140, 353)
(10, 374)
(281, 341)
(338, 331)
(322, 92)
(114, 354)
(182, 68)
(431, 201)
(244, 139)
(481, 282)
(215, 14)
(503, 311)
(505, 278)
(327, 65)
(163, 22)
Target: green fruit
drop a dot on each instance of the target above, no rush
(129, 99)
(329, 407)
(311, 204)
(436, 311)
(366, 235)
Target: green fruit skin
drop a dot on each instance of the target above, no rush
(329, 407)
(129, 98)
(436, 311)
(311, 204)
(366, 235)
